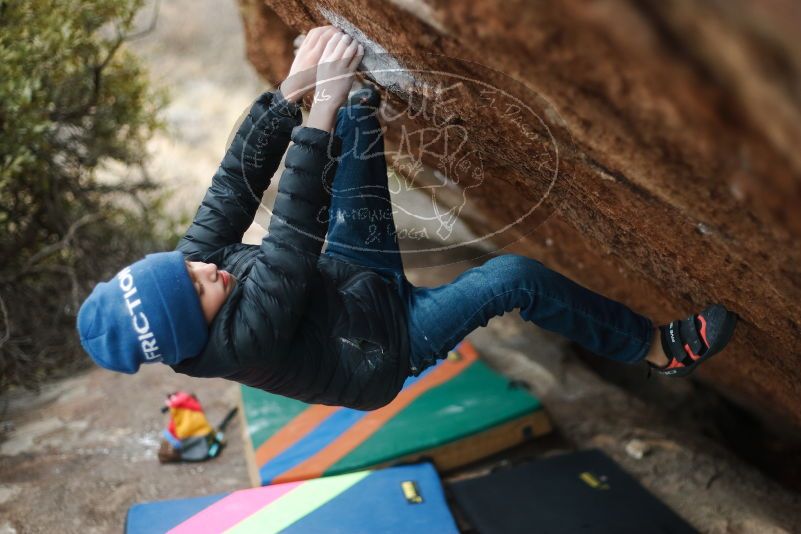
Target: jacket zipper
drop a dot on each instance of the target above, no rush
(349, 342)
(353, 279)
(348, 283)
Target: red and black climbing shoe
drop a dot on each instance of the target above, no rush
(692, 341)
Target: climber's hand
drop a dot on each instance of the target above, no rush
(335, 70)
(302, 74)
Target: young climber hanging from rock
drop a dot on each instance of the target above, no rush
(343, 326)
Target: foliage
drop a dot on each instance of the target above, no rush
(73, 102)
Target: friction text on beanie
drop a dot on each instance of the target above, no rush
(141, 325)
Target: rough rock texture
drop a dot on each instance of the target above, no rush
(679, 171)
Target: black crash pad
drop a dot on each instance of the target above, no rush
(584, 492)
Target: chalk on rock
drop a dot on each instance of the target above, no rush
(637, 448)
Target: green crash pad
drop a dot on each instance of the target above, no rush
(454, 413)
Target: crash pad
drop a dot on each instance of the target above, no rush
(577, 492)
(398, 499)
(454, 413)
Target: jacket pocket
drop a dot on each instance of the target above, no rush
(362, 357)
(366, 374)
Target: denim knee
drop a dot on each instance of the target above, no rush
(515, 267)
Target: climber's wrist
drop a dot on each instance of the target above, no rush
(290, 92)
(322, 116)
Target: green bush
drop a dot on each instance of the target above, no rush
(73, 101)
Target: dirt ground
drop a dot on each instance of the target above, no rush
(77, 454)
(83, 450)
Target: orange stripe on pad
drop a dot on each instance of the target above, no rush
(315, 466)
(294, 431)
(467, 351)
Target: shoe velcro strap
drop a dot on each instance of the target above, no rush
(672, 343)
(689, 335)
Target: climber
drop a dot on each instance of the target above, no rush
(343, 326)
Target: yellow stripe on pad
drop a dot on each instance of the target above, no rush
(296, 504)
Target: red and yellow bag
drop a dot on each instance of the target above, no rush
(189, 437)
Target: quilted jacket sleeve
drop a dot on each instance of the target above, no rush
(228, 208)
(276, 292)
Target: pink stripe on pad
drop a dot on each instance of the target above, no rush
(232, 509)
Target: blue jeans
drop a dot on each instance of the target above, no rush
(362, 231)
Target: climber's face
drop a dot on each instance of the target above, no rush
(212, 285)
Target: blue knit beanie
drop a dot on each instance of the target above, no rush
(149, 312)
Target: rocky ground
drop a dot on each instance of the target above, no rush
(80, 452)
(75, 455)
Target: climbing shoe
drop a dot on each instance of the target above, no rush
(689, 342)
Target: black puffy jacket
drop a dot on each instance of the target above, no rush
(298, 323)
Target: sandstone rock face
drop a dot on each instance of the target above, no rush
(678, 127)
